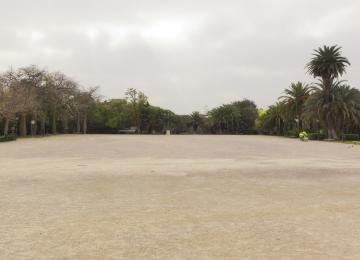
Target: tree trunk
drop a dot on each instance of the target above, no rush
(34, 126)
(331, 132)
(23, 129)
(85, 124)
(66, 124)
(6, 126)
(330, 129)
(78, 127)
(43, 123)
(53, 125)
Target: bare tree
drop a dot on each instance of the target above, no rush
(28, 79)
(9, 103)
(82, 103)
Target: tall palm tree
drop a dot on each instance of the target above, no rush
(295, 97)
(328, 64)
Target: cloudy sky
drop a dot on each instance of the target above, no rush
(185, 55)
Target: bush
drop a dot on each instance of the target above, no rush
(7, 138)
(316, 136)
(350, 137)
(293, 133)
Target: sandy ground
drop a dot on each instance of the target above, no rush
(178, 197)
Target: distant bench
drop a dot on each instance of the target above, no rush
(127, 131)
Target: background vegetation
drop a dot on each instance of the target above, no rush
(38, 102)
(329, 108)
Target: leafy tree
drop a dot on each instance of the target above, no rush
(196, 120)
(139, 106)
(235, 118)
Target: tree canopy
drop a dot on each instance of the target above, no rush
(38, 102)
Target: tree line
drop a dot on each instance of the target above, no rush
(330, 106)
(34, 101)
(135, 111)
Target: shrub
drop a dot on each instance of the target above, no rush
(350, 137)
(316, 136)
(7, 138)
(293, 132)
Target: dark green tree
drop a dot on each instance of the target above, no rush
(328, 64)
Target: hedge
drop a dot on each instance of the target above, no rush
(7, 138)
(316, 136)
(350, 137)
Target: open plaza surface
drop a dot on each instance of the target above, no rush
(178, 197)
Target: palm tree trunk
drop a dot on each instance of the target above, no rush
(6, 126)
(331, 129)
(297, 115)
(329, 120)
(23, 129)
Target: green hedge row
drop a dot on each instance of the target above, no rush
(7, 138)
(316, 136)
(350, 137)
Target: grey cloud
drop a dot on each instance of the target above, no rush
(185, 55)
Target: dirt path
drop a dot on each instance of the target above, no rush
(178, 197)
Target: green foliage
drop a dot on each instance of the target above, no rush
(330, 104)
(343, 106)
(236, 118)
(7, 138)
(327, 62)
(135, 111)
(350, 137)
(328, 65)
(293, 132)
(54, 101)
(294, 98)
(196, 120)
(110, 115)
(316, 136)
(274, 121)
(113, 115)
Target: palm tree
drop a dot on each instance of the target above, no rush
(275, 117)
(328, 64)
(344, 105)
(295, 97)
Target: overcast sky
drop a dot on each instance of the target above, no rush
(185, 55)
